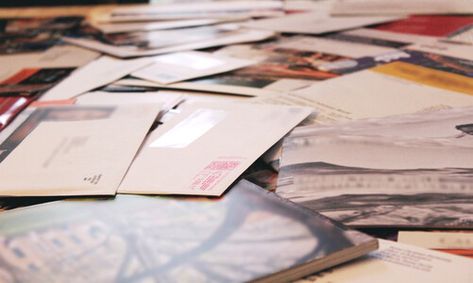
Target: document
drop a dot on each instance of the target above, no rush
(181, 66)
(399, 87)
(97, 73)
(207, 146)
(395, 262)
(314, 23)
(73, 150)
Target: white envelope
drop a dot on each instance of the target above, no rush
(166, 100)
(205, 148)
(171, 68)
(73, 150)
(97, 73)
(314, 23)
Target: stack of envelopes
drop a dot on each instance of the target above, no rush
(287, 137)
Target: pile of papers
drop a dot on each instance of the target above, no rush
(299, 133)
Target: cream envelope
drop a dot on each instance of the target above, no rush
(171, 68)
(98, 73)
(205, 148)
(73, 150)
(314, 23)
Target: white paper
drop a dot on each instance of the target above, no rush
(229, 138)
(171, 68)
(98, 73)
(401, 7)
(437, 239)
(76, 150)
(314, 23)
(462, 51)
(395, 262)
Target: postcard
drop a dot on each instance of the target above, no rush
(401, 7)
(93, 75)
(217, 141)
(396, 262)
(181, 66)
(412, 171)
(69, 149)
(159, 42)
(314, 23)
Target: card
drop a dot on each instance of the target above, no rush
(204, 148)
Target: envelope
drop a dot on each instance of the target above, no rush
(205, 148)
(73, 150)
(175, 67)
(97, 73)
